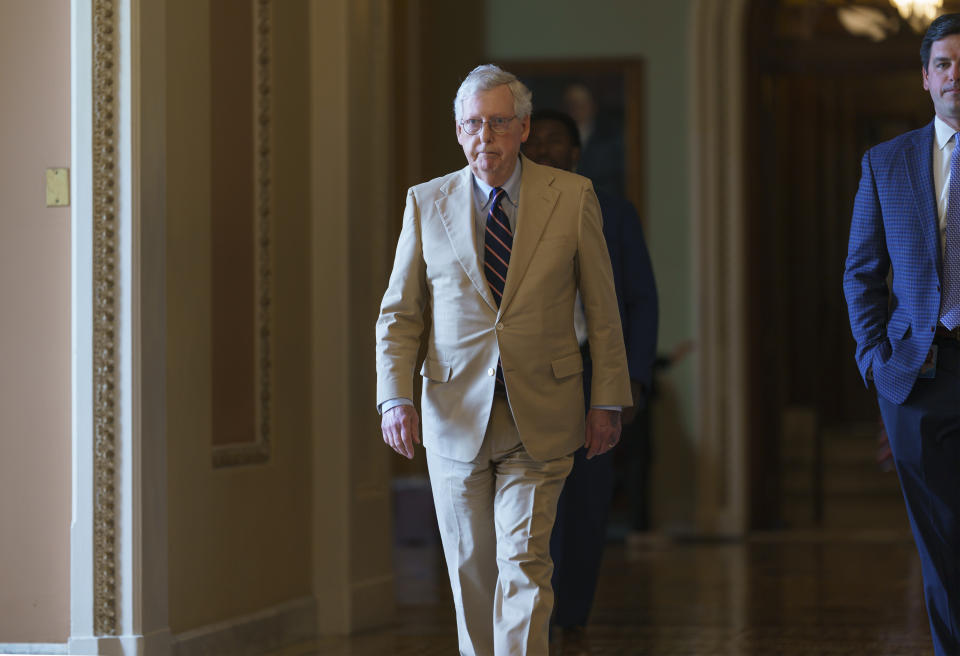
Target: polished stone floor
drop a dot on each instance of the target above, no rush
(791, 593)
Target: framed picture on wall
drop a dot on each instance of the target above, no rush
(606, 99)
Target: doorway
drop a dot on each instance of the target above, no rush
(817, 98)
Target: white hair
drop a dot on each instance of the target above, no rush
(490, 76)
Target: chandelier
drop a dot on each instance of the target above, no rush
(918, 13)
(861, 19)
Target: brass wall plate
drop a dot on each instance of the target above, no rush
(58, 187)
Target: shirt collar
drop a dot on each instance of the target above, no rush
(511, 186)
(942, 131)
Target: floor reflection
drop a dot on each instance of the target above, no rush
(785, 593)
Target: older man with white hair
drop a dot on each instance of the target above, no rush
(498, 251)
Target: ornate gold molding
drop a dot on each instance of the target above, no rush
(259, 451)
(104, 315)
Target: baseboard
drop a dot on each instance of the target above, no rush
(122, 645)
(157, 642)
(38, 648)
(153, 644)
(251, 635)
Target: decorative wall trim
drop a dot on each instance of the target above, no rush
(259, 451)
(266, 630)
(105, 296)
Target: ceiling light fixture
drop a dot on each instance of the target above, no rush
(918, 13)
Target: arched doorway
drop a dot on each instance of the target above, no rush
(785, 100)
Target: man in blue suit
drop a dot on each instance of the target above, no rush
(906, 218)
(580, 530)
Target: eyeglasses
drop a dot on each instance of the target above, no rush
(498, 124)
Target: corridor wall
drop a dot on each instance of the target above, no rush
(239, 536)
(34, 324)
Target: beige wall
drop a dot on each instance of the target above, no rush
(239, 537)
(34, 323)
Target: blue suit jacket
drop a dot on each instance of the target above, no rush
(894, 225)
(634, 282)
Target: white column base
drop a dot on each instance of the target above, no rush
(158, 643)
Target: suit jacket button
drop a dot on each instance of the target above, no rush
(491, 371)
(499, 326)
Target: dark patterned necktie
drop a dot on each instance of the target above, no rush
(951, 257)
(498, 241)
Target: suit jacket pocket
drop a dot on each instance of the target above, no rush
(568, 365)
(435, 370)
(899, 326)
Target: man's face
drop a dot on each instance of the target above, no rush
(578, 102)
(942, 79)
(491, 156)
(550, 143)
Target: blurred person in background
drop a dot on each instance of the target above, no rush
(580, 531)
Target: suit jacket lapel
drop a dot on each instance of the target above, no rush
(537, 200)
(455, 207)
(919, 159)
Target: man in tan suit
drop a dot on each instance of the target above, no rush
(498, 251)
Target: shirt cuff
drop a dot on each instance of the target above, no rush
(618, 408)
(389, 404)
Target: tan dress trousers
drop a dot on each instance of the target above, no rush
(496, 514)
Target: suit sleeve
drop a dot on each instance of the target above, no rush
(400, 324)
(610, 385)
(865, 273)
(639, 294)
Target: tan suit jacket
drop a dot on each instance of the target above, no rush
(558, 247)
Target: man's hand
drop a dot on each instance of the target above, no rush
(401, 428)
(603, 431)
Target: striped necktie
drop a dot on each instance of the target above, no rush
(950, 305)
(498, 241)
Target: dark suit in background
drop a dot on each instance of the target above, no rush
(581, 527)
(580, 531)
